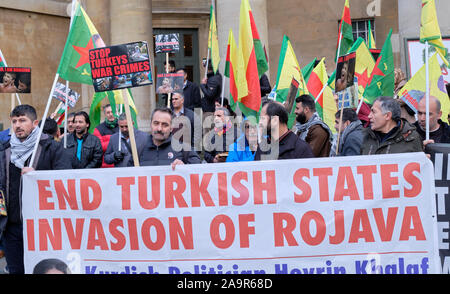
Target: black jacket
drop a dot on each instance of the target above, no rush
(264, 85)
(49, 156)
(192, 98)
(290, 147)
(113, 146)
(91, 151)
(211, 90)
(164, 154)
(228, 138)
(441, 135)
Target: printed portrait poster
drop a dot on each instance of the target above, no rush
(121, 66)
(15, 79)
(167, 43)
(169, 83)
(346, 83)
(60, 94)
(416, 57)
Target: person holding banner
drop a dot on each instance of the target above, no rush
(84, 149)
(388, 132)
(14, 162)
(120, 157)
(279, 142)
(158, 149)
(439, 130)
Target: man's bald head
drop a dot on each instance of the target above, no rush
(435, 113)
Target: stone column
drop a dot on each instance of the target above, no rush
(131, 21)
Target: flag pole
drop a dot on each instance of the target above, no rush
(342, 103)
(223, 88)
(33, 155)
(130, 129)
(427, 78)
(66, 114)
(169, 95)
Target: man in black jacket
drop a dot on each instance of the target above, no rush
(211, 88)
(191, 93)
(279, 142)
(84, 149)
(158, 150)
(14, 161)
(439, 130)
(186, 126)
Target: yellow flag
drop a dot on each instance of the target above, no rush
(213, 41)
(415, 88)
(429, 29)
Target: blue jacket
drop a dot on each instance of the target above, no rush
(238, 153)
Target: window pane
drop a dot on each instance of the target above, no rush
(187, 45)
(362, 26)
(190, 72)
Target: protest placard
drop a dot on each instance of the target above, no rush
(346, 81)
(360, 214)
(167, 43)
(121, 66)
(169, 83)
(441, 160)
(60, 94)
(15, 79)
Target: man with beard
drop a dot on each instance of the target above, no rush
(158, 149)
(311, 128)
(106, 129)
(120, 158)
(84, 149)
(439, 130)
(15, 157)
(279, 142)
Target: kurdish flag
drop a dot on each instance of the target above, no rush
(260, 53)
(429, 29)
(250, 104)
(364, 64)
(83, 36)
(213, 41)
(235, 70)
(2, 60)
(370, 40)
(307, 70)
(381, 82)
(345, 36)
(115, 98)
(288, 69)
(325, 105)
(415, 88)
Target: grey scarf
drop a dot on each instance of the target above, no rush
(21, 151)
(314, 120)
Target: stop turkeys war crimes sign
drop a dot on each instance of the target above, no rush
(121, 66)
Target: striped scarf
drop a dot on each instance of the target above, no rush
(21, 151)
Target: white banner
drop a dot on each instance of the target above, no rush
(362, 214)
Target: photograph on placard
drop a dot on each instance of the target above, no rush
(169, 83)
(167, 43)
(15, 80)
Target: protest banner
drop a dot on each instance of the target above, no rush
(121, 66)
(169, 83)
(441, 160)
(167, 43)
(361, 214)
(15, 79)
(346, 85)
(59, 93)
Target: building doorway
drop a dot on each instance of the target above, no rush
(187, 57)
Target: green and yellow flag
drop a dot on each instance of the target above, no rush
(288, 69)
(345, 35)
(429, 29)
(414, 89)
(381, 82)
(213, 41)
(83, 36)
(370, 39)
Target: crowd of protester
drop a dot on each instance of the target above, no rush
(202, 129)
